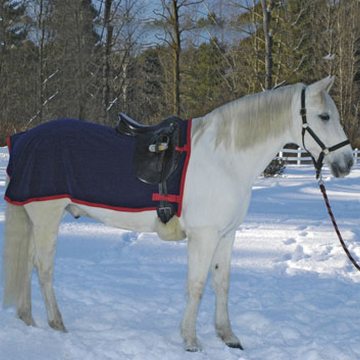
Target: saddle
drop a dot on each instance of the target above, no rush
(156, 156)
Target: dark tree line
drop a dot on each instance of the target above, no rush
(91, 59)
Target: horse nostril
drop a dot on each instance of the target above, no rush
(350, 163)
(335, 170)
(343, 168)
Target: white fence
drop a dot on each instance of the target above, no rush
(301, 157)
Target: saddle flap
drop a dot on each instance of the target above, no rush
(154, 167)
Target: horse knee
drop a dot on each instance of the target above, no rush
(45, 276)
(196, 290)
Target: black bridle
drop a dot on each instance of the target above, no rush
(318, 164)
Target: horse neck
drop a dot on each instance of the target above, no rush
(250, 131)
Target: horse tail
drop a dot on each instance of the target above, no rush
(16, 253)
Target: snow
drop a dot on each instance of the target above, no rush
(294, 295)
(329, 56)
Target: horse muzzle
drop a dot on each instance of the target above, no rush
(341, 166)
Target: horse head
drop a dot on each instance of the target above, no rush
(322, 134)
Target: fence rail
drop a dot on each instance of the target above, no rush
(301, 157)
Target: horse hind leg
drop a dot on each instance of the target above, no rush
(46, 218)
(18, 262)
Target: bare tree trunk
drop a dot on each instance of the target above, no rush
(348, 35)
(177, 50)
(106, 61)
(176, 47)
(256, 49)
(267, 8)
(41, 96)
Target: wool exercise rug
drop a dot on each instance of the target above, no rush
(90, 164)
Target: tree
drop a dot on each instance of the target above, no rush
(171, 22)
(72, 51)
(267, 8)
(41, 37)
(347, 59)
(13, 64)
(205, 70)
(121, 27)
(108, 27)
(146, 93)
(282, 42)
(12, 29)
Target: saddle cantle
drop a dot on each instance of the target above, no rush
(156, 154)
(128, 126)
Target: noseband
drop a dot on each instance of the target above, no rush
(318, 164)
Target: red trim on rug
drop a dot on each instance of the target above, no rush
(8, 143)
(80, 202)
(183, 175)
(169, 197)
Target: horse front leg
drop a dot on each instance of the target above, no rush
(220, 268)
(201, 246)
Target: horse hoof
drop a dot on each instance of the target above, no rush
(28, 320)
(58, 326)
(230, 339)
(26, 317)
(193, 347)
(235, 345)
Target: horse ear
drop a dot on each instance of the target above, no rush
(323, 84)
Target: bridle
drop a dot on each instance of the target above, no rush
(318, 164)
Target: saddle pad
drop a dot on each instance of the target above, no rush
(89, 163)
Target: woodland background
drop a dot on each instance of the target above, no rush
(91, 59)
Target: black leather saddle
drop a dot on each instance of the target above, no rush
(129, 126)
(156, 156)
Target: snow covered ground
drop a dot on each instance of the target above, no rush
(294, 295)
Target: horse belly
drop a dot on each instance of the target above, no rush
(142, 221)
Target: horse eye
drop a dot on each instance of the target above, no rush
(324, 117)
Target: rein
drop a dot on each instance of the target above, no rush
(333, 220)
(318, 164)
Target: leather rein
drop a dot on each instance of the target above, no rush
(318, 164)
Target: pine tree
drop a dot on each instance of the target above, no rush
(146, 98)
(12, 29)
(204, 86)
(14, 65)
(73, 51)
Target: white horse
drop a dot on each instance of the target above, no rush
(231, 146)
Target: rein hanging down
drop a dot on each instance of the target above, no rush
(333, 220)
(318, 164)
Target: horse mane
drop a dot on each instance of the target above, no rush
(251, 119)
